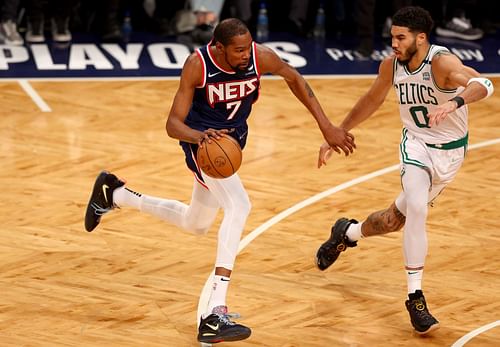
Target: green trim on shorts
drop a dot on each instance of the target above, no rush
(451, 145)
(404, 155)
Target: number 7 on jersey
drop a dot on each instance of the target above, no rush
(236, 105)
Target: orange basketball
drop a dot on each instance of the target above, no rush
(221, 158)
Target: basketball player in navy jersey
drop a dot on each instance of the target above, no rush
(433, 89)
(218, 85)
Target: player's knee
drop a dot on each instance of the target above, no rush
(246, 206)
(416, 207)
(241, 205)
(197, 227)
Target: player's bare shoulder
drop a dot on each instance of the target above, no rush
(446, 66)
(386, 68)
(193, 69)
(193, 61)
(444, 61)
(262, 50)
(268, 60)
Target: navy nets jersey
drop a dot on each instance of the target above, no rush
(223, 100)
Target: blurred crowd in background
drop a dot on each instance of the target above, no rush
(192, 21)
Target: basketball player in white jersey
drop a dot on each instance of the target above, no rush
(433, 90)
(218, 86)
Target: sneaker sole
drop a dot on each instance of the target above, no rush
(452, 34)
(227, 338)
(35, 39)
(431, 329)
(90, 210)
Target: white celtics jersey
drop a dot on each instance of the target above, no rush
(418, 94)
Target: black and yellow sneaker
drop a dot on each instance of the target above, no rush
(101, 199)
(217, 327)
(421, 319)
(337, 243)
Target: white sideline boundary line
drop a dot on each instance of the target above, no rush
(37, 99)
(205, 292)
(466, 338)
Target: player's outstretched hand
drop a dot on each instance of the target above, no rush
(325, 152)
(340, 139)
(440, 112)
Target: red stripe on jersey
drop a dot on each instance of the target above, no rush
(215, 62)
(255, 59)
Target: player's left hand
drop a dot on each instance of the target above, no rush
(325, 152)
(440, 112)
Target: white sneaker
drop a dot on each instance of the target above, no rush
(34, 33)
(461, 28)
(60, 31)
(8, 30)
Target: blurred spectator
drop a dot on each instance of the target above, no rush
(241, 9)
(396, 5)
(488, 14)
(212, 6)
(164, 15)
(8, 25)
(58, 11)
(298, 16)
(194, 24)
(365, 23)
(110, 17)
(104, 17)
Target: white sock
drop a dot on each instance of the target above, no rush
(219, 292)
(354, 231)
(414, 280)
(123, 196)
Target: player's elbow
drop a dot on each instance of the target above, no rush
(170, 128)
(487, 86)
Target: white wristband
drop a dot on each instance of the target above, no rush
(486, 83)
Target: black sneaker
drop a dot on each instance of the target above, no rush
(421, 319)
(219, 328)
(338, 242)
(101, 199)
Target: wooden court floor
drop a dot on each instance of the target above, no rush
(136, 281)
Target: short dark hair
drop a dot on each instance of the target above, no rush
(415, 18)
(227, 29)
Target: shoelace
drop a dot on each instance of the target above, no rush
(226, 318)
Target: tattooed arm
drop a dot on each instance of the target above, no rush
(269, 62)
(383, 222)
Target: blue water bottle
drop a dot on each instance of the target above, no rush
(262, 23)
(319, 26)
(126, 27)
